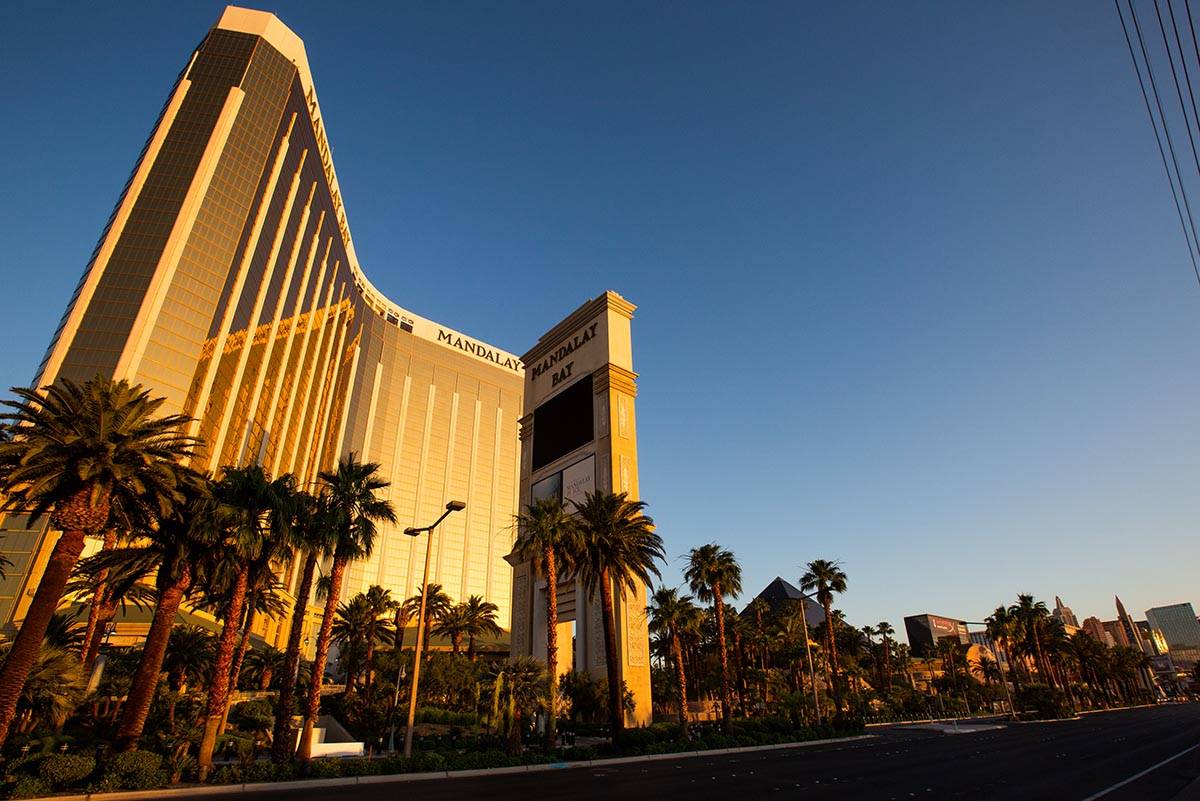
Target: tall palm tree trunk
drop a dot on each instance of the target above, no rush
(831, 645)
(218, 689)
(370, 656)
(106, 611)
(887, 663)
(145, 678)
(681, 677)
(616, 711)
(719, 606)
(25, 648)
(551, 569)
(281, 740)
(100, 599)
(235, 672)
(313, 708)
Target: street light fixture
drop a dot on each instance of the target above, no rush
(452, 506)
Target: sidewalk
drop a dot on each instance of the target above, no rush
(238, 789)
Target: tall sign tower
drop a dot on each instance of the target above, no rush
(578, 435)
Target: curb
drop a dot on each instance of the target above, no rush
(302, 784)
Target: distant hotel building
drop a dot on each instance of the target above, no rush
(1064, 615)
(226, 280)
(1095, 627)
(926, 631)
(1180, 631)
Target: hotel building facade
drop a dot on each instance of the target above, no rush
(226, 281)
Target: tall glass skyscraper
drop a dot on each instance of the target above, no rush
(226, 280)
(1180, 631)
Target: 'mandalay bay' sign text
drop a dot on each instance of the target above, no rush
(580, 339)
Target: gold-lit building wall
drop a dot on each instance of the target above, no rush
(226, 281)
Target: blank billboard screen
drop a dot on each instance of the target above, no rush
(563, 423)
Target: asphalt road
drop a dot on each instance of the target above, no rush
(1061, 761)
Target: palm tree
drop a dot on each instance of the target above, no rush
(453, 625)
(350, 631)
(480, 622)
(355, 509)
(869, 632)
(310, 534)
(262, 665)
(1029, 615)
(618, 546)
(188, 660)
(1002, 628)
(520, 685)
(713, 573)
(101, 609)
(56, 686)
(70, 449)
(257, 523)
(181, 547)
(885, 632)
(672, 614)
(826, 577)
(548, 539)
(189, 656)
(437, 606)
(380, 602)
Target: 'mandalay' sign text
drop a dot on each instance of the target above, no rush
(564, 350)
(479, 349)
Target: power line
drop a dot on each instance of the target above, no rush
(1193, 242)
(1186, 76)
(1162, 115)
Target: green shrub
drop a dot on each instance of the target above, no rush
(253, 716)
(428, 762)
(25, 765)
(227, 774)
(326, 769)
(133, 770)
(1042, 702)
(579, 753)
(478, 760)
(445, 717)
(268, 772)
(395, 763)
(29, 787)
(62, 770)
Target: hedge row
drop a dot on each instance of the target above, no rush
(42, 774)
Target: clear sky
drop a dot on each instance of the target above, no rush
(912, 293)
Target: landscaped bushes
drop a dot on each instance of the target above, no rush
(1041, 702)
(664, 738)
(60, 771)
(132, 770)
(41, 774)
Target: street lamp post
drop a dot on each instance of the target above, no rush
(452, 506)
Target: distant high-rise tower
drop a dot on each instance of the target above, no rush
(1132, 634)
(1178, 625)
(1116, 632)
(1094, 627)
(1064, 614)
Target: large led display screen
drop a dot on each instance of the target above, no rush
(563, 423)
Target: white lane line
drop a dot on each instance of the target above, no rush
(1137, 776)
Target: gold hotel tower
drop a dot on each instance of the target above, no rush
(226, 281)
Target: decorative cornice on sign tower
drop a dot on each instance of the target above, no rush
(608, 301)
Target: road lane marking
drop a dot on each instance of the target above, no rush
(1137, 776)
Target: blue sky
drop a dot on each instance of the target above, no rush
(912, 293)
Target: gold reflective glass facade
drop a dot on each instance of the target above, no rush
(226, 281)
